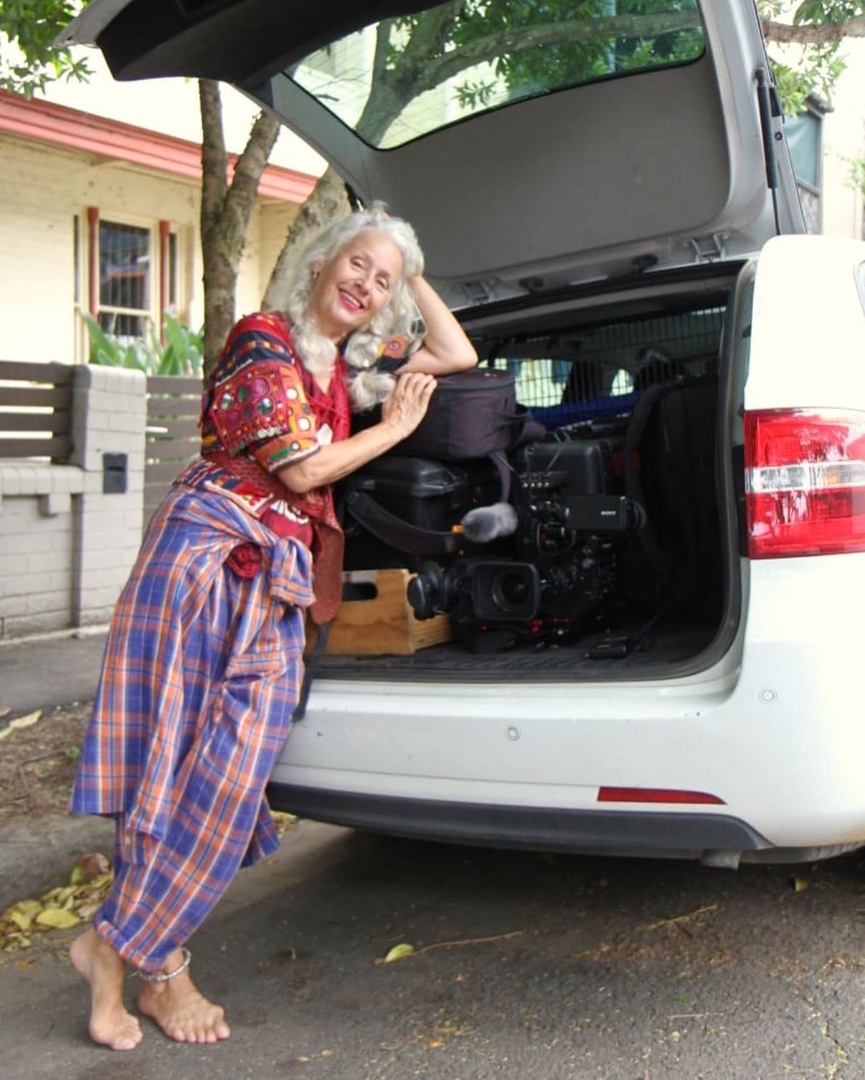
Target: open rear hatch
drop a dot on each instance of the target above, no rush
(588, 182)
(532, 146)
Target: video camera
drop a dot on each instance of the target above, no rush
(549, 555)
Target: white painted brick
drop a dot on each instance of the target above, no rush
(66, 478)
(106, 520)
(40, 541)
(51, 570)
(23, 585)
(14, 566)
(15, 626)
(51, 600)
(104, 596)
(133, 521)
(49, 563)
(58, 502)
(10, 480)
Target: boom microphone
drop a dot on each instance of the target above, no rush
(486, 523)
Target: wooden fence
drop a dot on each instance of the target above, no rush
(36, 411)
(36, 421)
(173, 437)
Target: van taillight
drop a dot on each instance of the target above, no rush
(804, 482)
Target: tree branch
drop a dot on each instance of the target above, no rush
(828, 33)
(252, 162)
(213, 156)
(422, 69)
(439, 69)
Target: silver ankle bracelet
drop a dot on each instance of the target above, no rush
(164, 976)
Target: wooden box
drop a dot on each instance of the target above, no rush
(376, 619)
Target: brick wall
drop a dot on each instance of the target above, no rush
(70, 533)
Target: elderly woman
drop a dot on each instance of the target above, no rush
(204, 658)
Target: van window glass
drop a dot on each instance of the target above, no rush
(465, 57)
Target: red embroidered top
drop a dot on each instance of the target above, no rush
(262, 410)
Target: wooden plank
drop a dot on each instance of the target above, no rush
(56, 374)
(163, 472)
(153, 496)
(154, 493)
(174, 406)
(175, 385)
(170, 449)
(161, 416)
(161, 429)
(57, 423)
(57, 449)
(58, 398)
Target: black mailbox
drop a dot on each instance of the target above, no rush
(115, 473)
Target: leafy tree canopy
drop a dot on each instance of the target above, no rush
(818, 29)
(28, 59)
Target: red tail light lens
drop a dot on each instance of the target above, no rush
(805, 482)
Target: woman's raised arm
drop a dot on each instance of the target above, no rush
(445, 347)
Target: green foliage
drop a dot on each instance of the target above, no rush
(815, 68)
(527, 47)
(180, 355)
(856, 173)
(28, 59)
(816, 73)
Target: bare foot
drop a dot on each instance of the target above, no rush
(110, 1024)
(180, 1010)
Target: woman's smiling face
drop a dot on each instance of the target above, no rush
(355, 284)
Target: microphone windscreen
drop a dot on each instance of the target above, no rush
(486, 523)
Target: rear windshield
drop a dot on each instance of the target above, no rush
(405, 77)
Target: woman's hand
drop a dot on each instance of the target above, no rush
(400, 415)
(408, 402)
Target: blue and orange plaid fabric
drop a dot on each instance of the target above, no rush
(201, 673)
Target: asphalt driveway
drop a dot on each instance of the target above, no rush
(525, 966)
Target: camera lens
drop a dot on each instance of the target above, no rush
(510, 590)
(505, 591)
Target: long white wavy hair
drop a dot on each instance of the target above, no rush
(363, 348)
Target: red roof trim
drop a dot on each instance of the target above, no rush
(45, 122)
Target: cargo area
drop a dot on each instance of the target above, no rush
(599, 549)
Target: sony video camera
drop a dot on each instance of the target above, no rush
(545, 560)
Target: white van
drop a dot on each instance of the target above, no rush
(663, 659)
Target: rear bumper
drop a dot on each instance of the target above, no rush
(655, 834)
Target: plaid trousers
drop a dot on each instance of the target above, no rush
(201, 673)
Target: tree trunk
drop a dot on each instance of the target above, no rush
(225, 212)
(326, 201)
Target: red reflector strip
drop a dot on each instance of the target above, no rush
(656, 795)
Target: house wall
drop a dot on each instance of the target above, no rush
(171, 106)
(44, 189)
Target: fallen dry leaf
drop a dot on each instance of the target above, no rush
(20, 722)
(283, 821)
(57, 918)
(62, 907)
(398, 952)
(89, 867)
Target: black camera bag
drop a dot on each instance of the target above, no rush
(471, 414)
